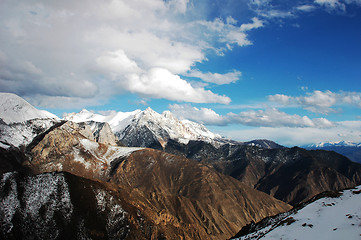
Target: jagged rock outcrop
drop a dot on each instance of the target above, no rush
(67, 148)
(101, 132)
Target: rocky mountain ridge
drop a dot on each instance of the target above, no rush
(178, 196)
(150, 129)
(292, 175)
(197, 185)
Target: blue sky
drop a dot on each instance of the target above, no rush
(288, 71)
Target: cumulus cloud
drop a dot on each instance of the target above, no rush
(271, 117)
(201, 115)
(161, 83)
(95, 49)
(323, 102)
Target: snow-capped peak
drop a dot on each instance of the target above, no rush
(14, 109)
(163, 126)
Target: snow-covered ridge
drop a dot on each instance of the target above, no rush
(334, 144)
(14, 109)
(326, 218)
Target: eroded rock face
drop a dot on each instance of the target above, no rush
(180, 197)
(66, 148)
(101, 132)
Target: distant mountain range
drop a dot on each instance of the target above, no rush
(160, 177)
(348, 149)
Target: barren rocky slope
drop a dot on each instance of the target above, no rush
(179, 197)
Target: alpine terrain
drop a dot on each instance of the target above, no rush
(145, 175)
(66, 181)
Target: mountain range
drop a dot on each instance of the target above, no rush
(145, 175)
(348, 149)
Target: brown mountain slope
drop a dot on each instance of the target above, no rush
(292, 175)
(182, 198)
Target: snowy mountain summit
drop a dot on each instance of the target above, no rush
(14, 109)
(20, 122)
(148, 128)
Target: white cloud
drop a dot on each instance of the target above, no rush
(93, 49)
(249, 26)
(341, 131)
(319, 101)
(216, 78)
(227, 32)
(161, 83)
(332, 4)
(270, 117)
(260, 2)
(275, 13)
(117, 62)
(202, 115)
(306, 8)
(179, 5)
(280, 98)
(358, 2)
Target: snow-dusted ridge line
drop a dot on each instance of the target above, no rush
(334, 217)
(334, 144)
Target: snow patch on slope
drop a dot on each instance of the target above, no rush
(112, 152)
(326, 218)
(22, 133)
